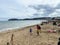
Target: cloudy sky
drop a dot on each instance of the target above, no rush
(29, 8)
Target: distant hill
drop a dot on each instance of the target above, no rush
(41, 18)
(13, 19)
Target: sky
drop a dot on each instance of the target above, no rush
(29, 8)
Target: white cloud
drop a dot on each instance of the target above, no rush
(44, 2)
(55, 14)
(42, 11)
(20, 9)
(58, 10)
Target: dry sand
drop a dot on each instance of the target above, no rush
(23, 37)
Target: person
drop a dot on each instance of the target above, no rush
(54, 23)
(30, 31)
(38, 29)
(42, 23)
(7, 43)
(59, 42)
(12, 37)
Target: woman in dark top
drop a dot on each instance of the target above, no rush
(38, 29)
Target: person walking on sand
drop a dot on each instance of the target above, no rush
(30, 31)
(38, 29)
(59, 42)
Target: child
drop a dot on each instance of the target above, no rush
(7, 43)
(30, 31)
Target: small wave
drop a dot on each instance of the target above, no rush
(19, 26)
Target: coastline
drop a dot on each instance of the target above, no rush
(18, 26)
(16, 29)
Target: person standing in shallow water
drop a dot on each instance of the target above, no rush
(38, 29)
(59, 42)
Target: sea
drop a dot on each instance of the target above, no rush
(9, 25)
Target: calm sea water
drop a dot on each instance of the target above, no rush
(5, 25)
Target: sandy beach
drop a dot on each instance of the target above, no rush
(23, 37)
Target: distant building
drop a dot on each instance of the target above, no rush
(57, 19)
